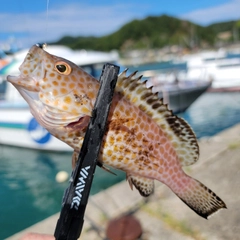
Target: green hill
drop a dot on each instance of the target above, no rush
(155, 32)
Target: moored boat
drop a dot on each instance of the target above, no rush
(179, 95)
(219, 67)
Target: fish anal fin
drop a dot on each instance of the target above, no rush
(145, 186)
(176, 129)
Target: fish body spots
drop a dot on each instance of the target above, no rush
(65, 107)
(71, 85)
(55, 83)
(127, 112)
(85, 110)
(73, 78)
(55, 92)
(136, 148)
(68, 100)
(66, 78)
(109, 152)
(63, 91)
(25, 72)
(91, 95)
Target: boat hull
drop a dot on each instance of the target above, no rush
(19, 128)
(180, 99)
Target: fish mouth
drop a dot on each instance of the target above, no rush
(26, 86)
(22, 82)
(32, 70)
(46, 115)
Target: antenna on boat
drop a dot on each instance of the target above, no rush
(47, 13)
(70, 223)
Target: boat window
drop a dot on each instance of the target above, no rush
(93, 69)
(3, 87)
(229, 65)
(213, 59)
(89, 69)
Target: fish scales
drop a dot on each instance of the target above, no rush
(143, 137)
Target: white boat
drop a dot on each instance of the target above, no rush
(215, 66)
(17, 125)
(19, 128)
(220, 68)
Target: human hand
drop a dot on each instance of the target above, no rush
(37, 236)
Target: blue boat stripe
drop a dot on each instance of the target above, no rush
(14, 125)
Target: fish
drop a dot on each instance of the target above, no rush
(143, 137)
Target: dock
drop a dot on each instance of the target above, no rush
(163, 215)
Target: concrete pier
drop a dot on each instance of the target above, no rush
(164, 215)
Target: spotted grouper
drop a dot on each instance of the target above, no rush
(143, 137)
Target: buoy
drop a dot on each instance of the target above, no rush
(61, 176)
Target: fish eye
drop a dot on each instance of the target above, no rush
(63, 68)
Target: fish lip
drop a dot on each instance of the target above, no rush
(12, 79)
(27, 94)
(31, 80)
(24, 82)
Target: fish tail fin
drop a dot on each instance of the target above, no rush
(200, 199)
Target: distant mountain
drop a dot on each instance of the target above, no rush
(156, 32)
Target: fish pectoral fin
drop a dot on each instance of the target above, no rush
(145, 186)
(105, 168)
(74, 159)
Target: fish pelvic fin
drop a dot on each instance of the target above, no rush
(106, 168)
(177, 130)
(200, 199)
(145, 186)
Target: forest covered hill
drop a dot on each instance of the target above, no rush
(157, 32)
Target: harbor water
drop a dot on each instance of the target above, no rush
(29, 192)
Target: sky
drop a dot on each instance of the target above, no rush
(26, 22)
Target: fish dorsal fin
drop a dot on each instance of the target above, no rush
(177, 130)
(145, 186)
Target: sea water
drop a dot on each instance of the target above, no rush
(29, 192)
(28, 189)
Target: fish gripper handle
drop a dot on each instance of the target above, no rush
(70, 222)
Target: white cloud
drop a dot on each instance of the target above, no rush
(224, 12)
(72, 19)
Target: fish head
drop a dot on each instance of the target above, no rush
(57, 91)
